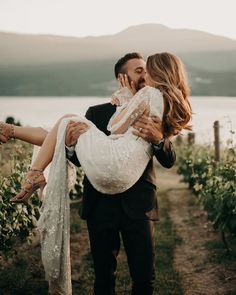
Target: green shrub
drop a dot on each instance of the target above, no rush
(214, 183)
(16, 220)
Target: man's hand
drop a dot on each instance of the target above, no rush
(149, 129)
(73, 132)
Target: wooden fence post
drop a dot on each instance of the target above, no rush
(191, 138)
(217, 140)
(179, 139)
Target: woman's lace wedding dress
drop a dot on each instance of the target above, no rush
(112, 164)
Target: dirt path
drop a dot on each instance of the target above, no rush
(196, 260)
(193, 259)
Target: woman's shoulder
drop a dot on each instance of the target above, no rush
(151, 93)
(156, 101)
(150, 89)
(154, 90)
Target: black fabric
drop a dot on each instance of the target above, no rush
(105, 228)
(129, 214)
(139, 201)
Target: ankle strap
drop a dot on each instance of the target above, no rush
(38, 170)
(11, 133)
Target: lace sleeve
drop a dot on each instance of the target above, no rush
(124, 95)
(129, 113)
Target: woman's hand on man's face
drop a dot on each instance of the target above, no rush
(73, 132)
(124, 82)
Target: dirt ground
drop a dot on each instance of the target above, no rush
(194, 261)
(199, 257)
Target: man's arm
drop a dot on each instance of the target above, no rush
(131, 112)
(149, 130)
(165, 154)
(72, 136)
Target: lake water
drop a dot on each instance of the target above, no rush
(44, 111)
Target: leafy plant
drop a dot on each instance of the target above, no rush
(16, 220)
(213, 182)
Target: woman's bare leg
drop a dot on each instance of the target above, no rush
(34, 177)
(46, 152)
(33, 135)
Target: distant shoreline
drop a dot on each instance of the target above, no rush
(45, 111)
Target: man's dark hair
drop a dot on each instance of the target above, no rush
(119, 66)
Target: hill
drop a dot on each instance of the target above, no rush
(56, 65)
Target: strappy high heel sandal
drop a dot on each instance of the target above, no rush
(35, 180)
(6, 132)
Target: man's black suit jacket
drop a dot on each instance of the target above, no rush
(139, 202)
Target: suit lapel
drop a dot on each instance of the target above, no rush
(103, 115)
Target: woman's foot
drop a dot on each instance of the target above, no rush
(6, 132)
(34, 180)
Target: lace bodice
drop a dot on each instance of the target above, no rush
(132, 108)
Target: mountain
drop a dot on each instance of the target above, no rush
(56, 65)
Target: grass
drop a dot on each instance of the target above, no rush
(25, 274)
(167, 279)
(225, 259)
(220, 254)
(84, 285)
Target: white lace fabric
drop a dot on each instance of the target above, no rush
(54, 222)
(112, 164)
(124, 95)
(133, 107)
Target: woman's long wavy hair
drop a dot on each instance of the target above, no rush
(167, 74)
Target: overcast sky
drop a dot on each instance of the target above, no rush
(102, 17)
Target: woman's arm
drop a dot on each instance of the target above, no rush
(132, 112)
(128, 119)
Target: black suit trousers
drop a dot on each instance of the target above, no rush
(105, 229)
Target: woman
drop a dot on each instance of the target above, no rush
(113, 164)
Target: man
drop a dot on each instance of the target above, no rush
(131, 213)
